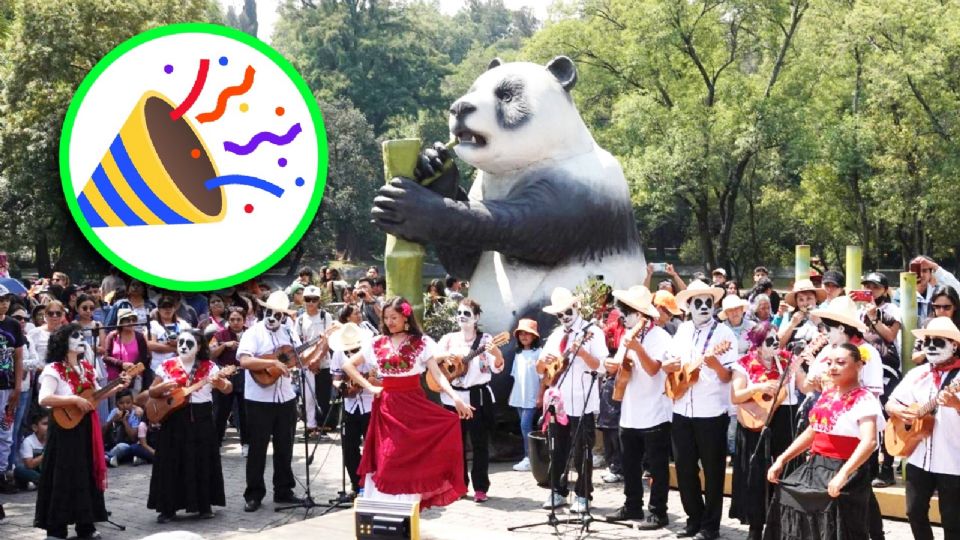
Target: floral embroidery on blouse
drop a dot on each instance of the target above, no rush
(174, 369)
(831, 405)
(72, 376)
(396, 362)
(757, 372)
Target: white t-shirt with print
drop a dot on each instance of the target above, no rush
(481, 368)
(31, 447)
(709, 397)
(159, 333)
(204, 394)
(309, 327)
(940, 452)
(258, 342)
(644, 403)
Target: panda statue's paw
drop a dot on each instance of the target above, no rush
(437, 171)
(406, 209)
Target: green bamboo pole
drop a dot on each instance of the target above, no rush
(908, 309)
(402, 259)
(802, 257)
(854, 267)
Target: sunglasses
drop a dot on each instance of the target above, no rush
(127, 320)
(562, 314)
(54, 314)
(311, 299)
(85, 308)
(21, 318)
(467, 313)
(934, 342)
(941, 307)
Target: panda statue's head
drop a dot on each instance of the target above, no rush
(519, 113)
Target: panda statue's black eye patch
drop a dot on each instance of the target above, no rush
(512, 107)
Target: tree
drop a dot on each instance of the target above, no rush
(246, 20)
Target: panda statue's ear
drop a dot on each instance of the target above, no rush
(494, 63)
(564, 70)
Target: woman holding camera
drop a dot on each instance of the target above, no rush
(162, 336)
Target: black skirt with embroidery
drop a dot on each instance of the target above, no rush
(187, 474)
(803, 510)
(749, 483)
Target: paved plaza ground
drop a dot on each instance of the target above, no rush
(514, 499)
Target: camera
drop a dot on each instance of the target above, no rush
(659, 267)
(361, 294)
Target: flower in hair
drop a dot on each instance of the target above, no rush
(406, 309)
(864, 354)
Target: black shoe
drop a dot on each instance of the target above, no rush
(165, 518)
(2, 513)
(251, 506)
(884, 478)
(622, 514)
(704, 535)
(208, 514)
(653, 522)
(686, 533)
(289, 498)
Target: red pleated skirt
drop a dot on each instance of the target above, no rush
(413, 445)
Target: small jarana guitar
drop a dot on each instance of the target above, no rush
(456, 367)
(626, 368)
(286, 354)
(68, 417)
(901, 438)
(679, 382)
(158, 409)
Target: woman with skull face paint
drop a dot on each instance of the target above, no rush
(701, 416)
(829, 495)
(934, 464)
(186, 468)
(473, 389)
(759, 372)
(74, 475)
(413, 450)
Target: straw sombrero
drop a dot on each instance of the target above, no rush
(843, 310)
(805, 285)
(699, 288)
(639, 298)
(939, 327)
(731, 301)
(348, 337)
(277, 301)
(561, 299)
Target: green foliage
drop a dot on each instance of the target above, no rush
(439, 318)
(246, 20)
(593, 294)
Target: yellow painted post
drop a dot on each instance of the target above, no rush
(908, 310)
(402, 259)
(802, 263)
(854, 267)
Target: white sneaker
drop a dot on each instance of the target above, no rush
(612, 478)
(137, 461)
(556, 502)
(524, 465)
(245, 450)
(579, 506)
(598, 462)
(114, 462)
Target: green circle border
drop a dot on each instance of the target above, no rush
(67, 133)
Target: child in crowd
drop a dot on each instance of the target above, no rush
(31, 452)
(525, 395)
(122, 431)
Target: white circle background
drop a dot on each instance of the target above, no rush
(204, 252)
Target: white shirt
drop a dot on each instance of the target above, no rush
(31, 447)
(309, 327)
(479, 372)
(709, 397)
(940, 452)
(645, 405)
(160, 335)
(378, 353)
(257, 342)
(204, 394)
(805, 331)
(871, 374)
(575, 382)
(31, 363)
(39, 336)
(51, 384)
(361, 403)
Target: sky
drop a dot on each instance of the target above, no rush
(267, 11)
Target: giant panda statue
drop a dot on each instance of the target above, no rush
(548, 207)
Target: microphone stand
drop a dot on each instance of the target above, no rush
(343, 497)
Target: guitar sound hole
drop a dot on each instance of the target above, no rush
(766, 397)
(908, 427)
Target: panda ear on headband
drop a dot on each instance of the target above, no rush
(564, 70)
(494, 63)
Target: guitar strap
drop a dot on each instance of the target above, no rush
(950, 376)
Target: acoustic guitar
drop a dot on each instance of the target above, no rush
(158, 409)
(554, 370)
(352, 388)
(68, 417)
(626, 367)
(456, 367)
(679, 382)
(754, 412)
(286, 354)
(901, 438)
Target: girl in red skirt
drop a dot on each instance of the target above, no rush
(413, 449)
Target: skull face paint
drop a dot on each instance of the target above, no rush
(273, 319)
(76, 343)
(568, 317)
(701, 310)
(770, 345)
(632, 319)
(466, 318)
(187, 346)
(939, 350)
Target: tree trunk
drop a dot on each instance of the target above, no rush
(296, 255)
(42, 254)
(728, 207)
(702, 213)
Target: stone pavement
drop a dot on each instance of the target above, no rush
(514, 499)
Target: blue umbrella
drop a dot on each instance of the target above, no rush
(13, 285)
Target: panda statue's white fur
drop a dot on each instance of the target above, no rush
(548, 208)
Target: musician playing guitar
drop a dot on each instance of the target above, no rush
(645, 411)
(272, 409)
(571, 387)
(756, 389)
(935, 462)
(345, 343)
(311, 323)
(700, 416)
(187, 474)
(473, 388)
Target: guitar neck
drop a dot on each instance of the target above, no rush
(98, 395)
(931, 405)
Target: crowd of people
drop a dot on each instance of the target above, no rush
(695, 372)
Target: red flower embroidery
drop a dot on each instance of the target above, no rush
(174, 369)
(393, 362)
(757, 372)
(831, 405)
(72, 376)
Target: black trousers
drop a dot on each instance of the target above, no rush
(323, 386)
(696, 442)
(646, 447)
(266, 422)
(354, 428)
(582, 454)
(83, 529)
(612, 453)
(223, 406)
(478, 430)
(920, 487)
